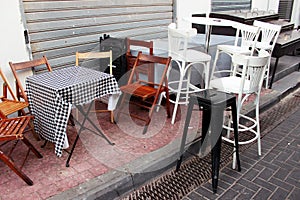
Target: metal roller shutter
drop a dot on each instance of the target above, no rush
(59, 28)
(223, 5)
(285, 9)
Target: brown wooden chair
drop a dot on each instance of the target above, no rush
(139, 45)
(147, 92)
(98, 55)
(9, 106)
(12, 129)
(27, 65)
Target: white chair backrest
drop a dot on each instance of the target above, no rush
(249, 36)
(178, 41)
(253, 69)
(269, 34)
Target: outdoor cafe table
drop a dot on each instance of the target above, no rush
(52, 94)
(209, 22)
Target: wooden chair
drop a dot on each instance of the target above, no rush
(144, 46)
(27, 65)
(244, 85)
(12, 129)
(269, 34)
(38, 64)
(147, 92)
(98, 55)
(9, 106)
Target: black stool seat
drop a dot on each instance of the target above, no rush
(213, 103)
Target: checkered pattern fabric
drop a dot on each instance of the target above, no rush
(52, 94)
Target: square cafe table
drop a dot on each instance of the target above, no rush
(52, 94)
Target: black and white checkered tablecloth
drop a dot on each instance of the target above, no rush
(52, 94)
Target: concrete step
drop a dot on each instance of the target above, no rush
(286, 65)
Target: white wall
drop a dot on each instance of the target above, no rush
(266, 5)
(12, 42)
(296, 13)
(185, 8)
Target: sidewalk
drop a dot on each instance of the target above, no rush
(274, 175)
(101, 171)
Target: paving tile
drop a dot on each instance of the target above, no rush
(238, 188)
(227, 179)
(262, 194)
(281, 174)
(279, 194)
(264, 184)
(283, 165)
(48, 191)
(266, 174)
(229, 194)
(196, 196)
(293, 182)
(248, 184)
(258, 167)
(206, 193)
(245, 194)
(208, 186)
(231, 172)
(281, 184)
(251, 174)
(295, 194)
(272, 165)
(222, 184)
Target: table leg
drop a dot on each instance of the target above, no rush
(273, 73)
(78, 133)
(207, 37)
(86, 118)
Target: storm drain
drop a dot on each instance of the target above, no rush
(196, 171)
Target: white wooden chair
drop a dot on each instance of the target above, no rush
(185, 59)
(268, 37)
(244, 85)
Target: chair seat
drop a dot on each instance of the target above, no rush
(8, 107)
(264, 45)
(140, 90)
(193, 56)
(230, 49)
(230, 84)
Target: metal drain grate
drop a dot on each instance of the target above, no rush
(195, 171)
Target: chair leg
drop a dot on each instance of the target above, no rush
(177, 100)
(267, 74)
(112, 117)
(32, 148)
(258, 128)
(12, 166)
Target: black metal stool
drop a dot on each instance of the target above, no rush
(213, 103)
